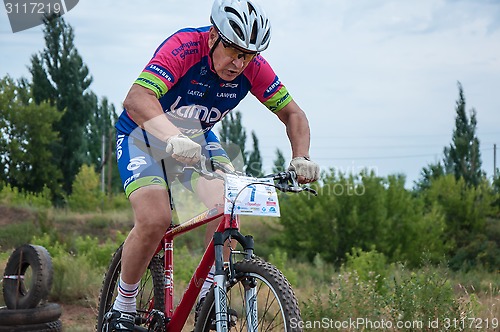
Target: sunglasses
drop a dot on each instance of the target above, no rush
(236, 54)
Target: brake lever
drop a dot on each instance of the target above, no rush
(202, 169)
(310, 190)
(295, 187)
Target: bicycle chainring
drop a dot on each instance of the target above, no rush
(156, 321)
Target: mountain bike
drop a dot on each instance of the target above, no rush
(247, 293)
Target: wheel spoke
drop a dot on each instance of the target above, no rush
(276, 304)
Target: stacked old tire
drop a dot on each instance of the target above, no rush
(26, 283)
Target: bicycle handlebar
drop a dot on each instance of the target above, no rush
(285, 181)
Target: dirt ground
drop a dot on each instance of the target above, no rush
(9, 214)
(77, 318)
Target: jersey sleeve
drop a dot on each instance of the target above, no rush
(266, 86)
(170, 62)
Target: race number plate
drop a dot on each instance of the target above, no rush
(251, 196)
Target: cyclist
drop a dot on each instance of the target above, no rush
(195, 77)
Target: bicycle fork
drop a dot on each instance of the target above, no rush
(221, 281)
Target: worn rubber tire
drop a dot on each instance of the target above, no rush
(17, 294)
(54, 326)
(42, 314)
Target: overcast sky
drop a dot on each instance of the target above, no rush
(377, 78)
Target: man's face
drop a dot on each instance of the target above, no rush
(229, 62)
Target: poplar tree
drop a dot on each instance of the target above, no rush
(254, 164)
(463, 158)
(233, 133)
(61, 78)
(279, 162)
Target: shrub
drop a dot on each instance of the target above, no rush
(75, 279)
(86, 195)
(16, 234)
(370, 266)
(12, 196)
(412, 297)
(422, 295)
(280, 259)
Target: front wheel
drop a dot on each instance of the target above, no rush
(277, 307)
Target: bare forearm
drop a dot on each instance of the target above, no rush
(145, 109)
(297, 129)
(299, 135)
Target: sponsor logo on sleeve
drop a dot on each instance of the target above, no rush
(279, 102)
(272, 88)
(159, 70)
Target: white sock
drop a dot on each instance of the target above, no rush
(125, 301)
(208, 283)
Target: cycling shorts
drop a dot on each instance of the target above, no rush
(142, 160)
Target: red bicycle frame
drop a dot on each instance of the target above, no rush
(177, 317)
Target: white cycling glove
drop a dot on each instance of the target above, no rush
(183, 149)
(305, 168)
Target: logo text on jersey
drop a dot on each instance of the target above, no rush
(186, 49)
(196, 112)
(272, 88)
(161, 71)
(229, 85)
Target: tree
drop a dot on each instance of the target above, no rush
(466, 209)
(463, 158)
(254, 164)
(429, 174)
(496, 182)
(233, 136)
(26, 135)
(279, 162)
(60, 77)
(361, 211)
(86, 195)
(99, 126)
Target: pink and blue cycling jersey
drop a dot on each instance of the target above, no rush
(194, 97)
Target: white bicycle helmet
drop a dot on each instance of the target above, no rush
(242, 23)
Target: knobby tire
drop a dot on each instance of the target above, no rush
(151, 289)
(278, 308)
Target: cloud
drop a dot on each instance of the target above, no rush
(369, 73)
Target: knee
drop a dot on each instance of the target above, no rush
(153, 224)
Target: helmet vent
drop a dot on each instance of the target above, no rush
(233, 11)
(253, 36)
(251, 9)
(266, 37)
(237, 29)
